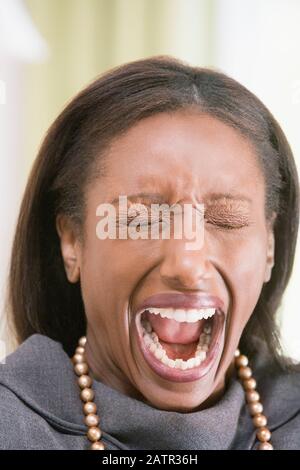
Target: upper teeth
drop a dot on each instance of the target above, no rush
(183, 315)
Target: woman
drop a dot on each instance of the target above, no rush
(132, 342)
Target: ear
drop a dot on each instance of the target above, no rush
(270, 253)
(70, 247)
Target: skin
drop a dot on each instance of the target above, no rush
(185, 157)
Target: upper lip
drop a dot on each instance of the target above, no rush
(184, 301)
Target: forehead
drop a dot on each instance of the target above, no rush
(182, 153)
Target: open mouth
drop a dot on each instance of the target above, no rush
(180, 344)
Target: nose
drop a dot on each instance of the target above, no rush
(185, 269)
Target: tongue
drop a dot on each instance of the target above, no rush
(172, 331)
(179, 351)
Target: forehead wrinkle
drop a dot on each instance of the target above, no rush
(161, 189)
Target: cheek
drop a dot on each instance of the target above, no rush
(117, 263)
(248, 260)
(110, 271)
(244, 263)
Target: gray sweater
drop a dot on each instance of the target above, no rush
(40, 408)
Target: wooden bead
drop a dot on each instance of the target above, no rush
(259, 420)
(78, 358)
(98, 445)
(87, 394)
(265, 446)
(237, 353)
(82, 341)
(90, 408)
(255, 408)
(85, 381)
(81, 368)
(241, 361)
(244, 372)
(252, 396)
(263, 434)
(94, 434)
(91, 420)
(249, 384)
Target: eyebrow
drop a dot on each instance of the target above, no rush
(153, 197)
(210, 197)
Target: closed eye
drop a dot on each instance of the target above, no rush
(227, 224)
(230, 227)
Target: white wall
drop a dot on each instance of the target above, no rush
(257, 42)
(19, 44)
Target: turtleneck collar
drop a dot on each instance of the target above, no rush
(139, 426)
(41, 374)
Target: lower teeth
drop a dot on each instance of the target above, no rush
(152, 342)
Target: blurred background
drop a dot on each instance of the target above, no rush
(50, 49)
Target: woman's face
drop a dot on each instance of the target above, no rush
(183, 158)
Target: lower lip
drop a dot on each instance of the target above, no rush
(188, 375)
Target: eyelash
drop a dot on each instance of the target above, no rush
(228, 226)
(141, 221)
(149, 223)
(220, 226)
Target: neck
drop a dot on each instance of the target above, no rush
(102, 369)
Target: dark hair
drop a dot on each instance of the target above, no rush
(41, 299)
